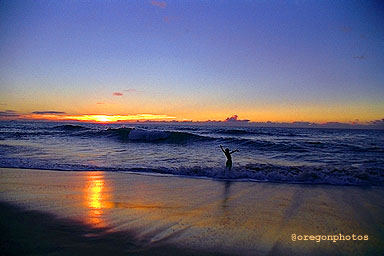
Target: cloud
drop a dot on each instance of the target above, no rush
(118, 94)
(361, 57)
(105, 103)
(131, 90)
(234, 118)
(9, 113)
(378, 123)
(49, 112)
(160, 4)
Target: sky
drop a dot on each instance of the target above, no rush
(279, 61)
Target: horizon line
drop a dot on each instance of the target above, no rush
(374, 124)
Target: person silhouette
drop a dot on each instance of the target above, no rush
(228, 154)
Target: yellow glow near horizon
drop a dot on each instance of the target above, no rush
(346, 112)
(99, 118)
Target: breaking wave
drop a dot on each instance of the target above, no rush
(309, 156)
(123, 134)
(132, 135)
(346, 175)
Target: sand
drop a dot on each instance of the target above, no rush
(120, 213)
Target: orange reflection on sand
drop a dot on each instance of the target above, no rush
(96, 198)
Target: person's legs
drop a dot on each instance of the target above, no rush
(228, 165)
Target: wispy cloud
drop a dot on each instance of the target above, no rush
(361, 57)
(49, 112)
(8, 114)
(105, 103)
(131, 90)
(160, 4)
(379, 123)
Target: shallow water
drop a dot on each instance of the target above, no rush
(289, 155)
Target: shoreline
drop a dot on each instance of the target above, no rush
(195, 216)
(201, 177)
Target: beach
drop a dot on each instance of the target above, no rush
(191, 128)
(102, 212)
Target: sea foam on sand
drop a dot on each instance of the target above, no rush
(224, 217)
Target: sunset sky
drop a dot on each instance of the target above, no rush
(281, 61)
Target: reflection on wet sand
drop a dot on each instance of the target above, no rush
(230, 217)
(96, 198)
(227, 191)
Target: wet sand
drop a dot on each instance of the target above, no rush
(59, 213)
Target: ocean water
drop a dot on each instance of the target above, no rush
(288, 155)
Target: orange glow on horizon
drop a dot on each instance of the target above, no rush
(98, 118)
(313, 113)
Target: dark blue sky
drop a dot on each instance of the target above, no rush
(263, 60)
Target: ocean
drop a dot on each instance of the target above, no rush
(287, 155)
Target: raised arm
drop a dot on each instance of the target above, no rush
(236, 150)
(222, 149)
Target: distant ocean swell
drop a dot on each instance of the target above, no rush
(308, 156)
(124, 134)
(162, 136)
